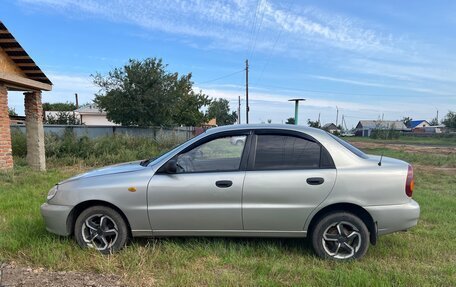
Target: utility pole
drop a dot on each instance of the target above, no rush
(337, 116)
(77, 101)
(437, 117)
(239, 110)
(247, 108)
(319, 120)
(343, 122)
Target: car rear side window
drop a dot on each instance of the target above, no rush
(349, 147)
(286, 152)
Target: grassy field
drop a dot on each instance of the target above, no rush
(424, 256)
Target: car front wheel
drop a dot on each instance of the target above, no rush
(101, 228)
(340, 236)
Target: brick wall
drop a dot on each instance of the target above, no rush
(6, 158)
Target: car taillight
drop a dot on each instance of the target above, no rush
(410, 183)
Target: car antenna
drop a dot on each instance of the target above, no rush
(381, 157)
(383, 151)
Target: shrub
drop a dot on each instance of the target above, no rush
(387, 134)
(69, 149)
(19, 143)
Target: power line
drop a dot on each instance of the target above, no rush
(222, 77)
(324, 92)
(252, 29)
(275, 42)
(257, 32)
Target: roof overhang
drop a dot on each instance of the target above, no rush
(23, 73)
(17, 83)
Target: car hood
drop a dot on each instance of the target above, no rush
(107, 170)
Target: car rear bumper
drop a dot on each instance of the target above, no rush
(392, 218)
(55, 218)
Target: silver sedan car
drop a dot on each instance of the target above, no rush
(271, 181)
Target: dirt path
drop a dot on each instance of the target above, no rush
(12, 275)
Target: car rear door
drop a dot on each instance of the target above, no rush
(289, 174)
(206, 192)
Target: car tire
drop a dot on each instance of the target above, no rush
(102, 228)
(340, 236)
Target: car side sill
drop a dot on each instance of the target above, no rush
(227, 233)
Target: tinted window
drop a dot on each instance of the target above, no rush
(286, 152)
(221, 154)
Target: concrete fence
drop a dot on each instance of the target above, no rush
(182, 133)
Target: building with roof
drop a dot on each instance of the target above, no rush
(331, 127)
(418, 124)
(92, 115)
(365, 127)
(18, 72)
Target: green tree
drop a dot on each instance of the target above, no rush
(313, 124)
(434, 122)
(67, 106)
(220, 110)
(62, 118)
(12, 112)
(450, 120)
(290, 121)
(406, 121)
(144, 93)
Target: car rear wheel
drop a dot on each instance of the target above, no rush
(340, 236)
(101, 228)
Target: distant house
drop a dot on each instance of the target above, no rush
(331, 127)
(17, 120)
(364, 128)
(92, 115)
(418, 124)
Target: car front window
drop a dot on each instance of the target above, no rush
(221, 154)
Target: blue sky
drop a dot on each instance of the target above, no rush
(391, 58)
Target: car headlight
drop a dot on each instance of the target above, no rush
(52, 192)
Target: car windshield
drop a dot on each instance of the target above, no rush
(158, 158)
(350, 147)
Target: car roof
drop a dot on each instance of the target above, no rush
(305, 129)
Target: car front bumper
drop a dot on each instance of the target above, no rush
(392, 218)
(55, 218)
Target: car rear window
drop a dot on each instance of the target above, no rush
(350, 147)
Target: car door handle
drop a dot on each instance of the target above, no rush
(315, 180)
(223, 183)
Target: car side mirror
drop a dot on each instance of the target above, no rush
(171, 166)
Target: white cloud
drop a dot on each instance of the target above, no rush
(384, 86)
(229, 23)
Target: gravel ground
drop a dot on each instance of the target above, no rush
(12, 275)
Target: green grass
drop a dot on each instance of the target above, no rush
(427, 159)
(424, 256)
(434, 141)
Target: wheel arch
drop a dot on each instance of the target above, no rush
(355, 209)
(80, 207)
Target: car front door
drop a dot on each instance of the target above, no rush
(288, 175)
(205, 192)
